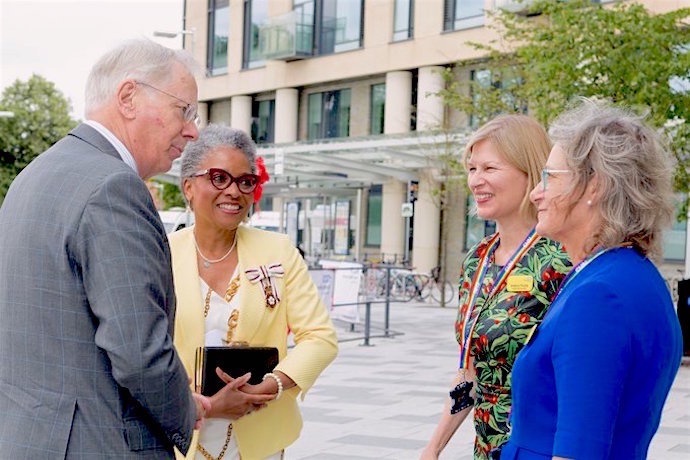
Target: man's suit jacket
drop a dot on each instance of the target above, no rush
(87, 364)
(299, 311)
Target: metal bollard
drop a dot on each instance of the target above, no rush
(367, 323)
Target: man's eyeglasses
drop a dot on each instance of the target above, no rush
(221, 179)
(546, 173)
(189, 112)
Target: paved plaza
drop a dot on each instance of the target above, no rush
(382, 401)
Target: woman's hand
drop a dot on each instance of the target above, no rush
(267, 386)
(232, 402)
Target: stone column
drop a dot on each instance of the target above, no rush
(202, 110)
(429, 106)
(398, 109)
(392, 222)
(427, 224)
(287, 103)
(241, 113)
(220, 112)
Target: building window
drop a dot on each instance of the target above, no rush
(485, 81)
(377, 109)
(403, 20)
(255, 15)
(328, 114)
(374, 206)
(340, 25)
(218, 33)
(331, 25)
(263, 121)
(462, 14)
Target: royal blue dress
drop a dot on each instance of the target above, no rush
(592, 380)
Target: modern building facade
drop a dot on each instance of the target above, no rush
(341, 97)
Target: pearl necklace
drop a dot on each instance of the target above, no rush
(207, 261)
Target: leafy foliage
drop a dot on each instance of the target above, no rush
(171, 195)
(563, 50)
(41, 118)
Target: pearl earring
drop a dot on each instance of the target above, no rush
(589, 202)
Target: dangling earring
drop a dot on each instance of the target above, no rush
(248, 217)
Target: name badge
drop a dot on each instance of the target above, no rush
(520, 283)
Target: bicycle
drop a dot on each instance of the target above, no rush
(408, 285)
(436, 289)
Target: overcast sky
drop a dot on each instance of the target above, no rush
(61, 39)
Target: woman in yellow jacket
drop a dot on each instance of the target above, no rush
(240, 284)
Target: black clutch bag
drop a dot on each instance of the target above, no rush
(233, 360)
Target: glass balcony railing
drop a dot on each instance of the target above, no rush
(286, 38)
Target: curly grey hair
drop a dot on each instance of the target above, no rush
(632, 168)
(212, 136)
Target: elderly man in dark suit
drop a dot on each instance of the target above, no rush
(87, 364)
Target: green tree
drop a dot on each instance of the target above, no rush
(41, 117)
(561, 50)
(171, 195)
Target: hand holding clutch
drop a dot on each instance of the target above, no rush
(231, 403)
(233, 360)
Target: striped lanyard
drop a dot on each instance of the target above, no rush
(470, 318)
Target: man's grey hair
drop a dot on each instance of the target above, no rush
(138, 59)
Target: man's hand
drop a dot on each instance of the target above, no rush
(203, 406)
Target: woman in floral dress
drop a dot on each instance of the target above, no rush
(507, 280)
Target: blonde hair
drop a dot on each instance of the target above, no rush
(524, 144)
(632, 169)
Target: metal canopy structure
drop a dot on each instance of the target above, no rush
(338, 166)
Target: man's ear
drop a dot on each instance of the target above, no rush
(126, 92)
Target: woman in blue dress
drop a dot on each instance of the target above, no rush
(592, 380)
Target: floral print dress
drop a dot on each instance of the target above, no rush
(504, 321)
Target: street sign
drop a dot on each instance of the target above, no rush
(407, 210)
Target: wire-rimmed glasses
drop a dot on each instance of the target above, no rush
(546, 173)
(189, 112)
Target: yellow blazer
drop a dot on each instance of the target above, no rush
(300, 311)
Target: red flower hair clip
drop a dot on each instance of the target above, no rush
(263, 178)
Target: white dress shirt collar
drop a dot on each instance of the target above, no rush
(119, 146)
